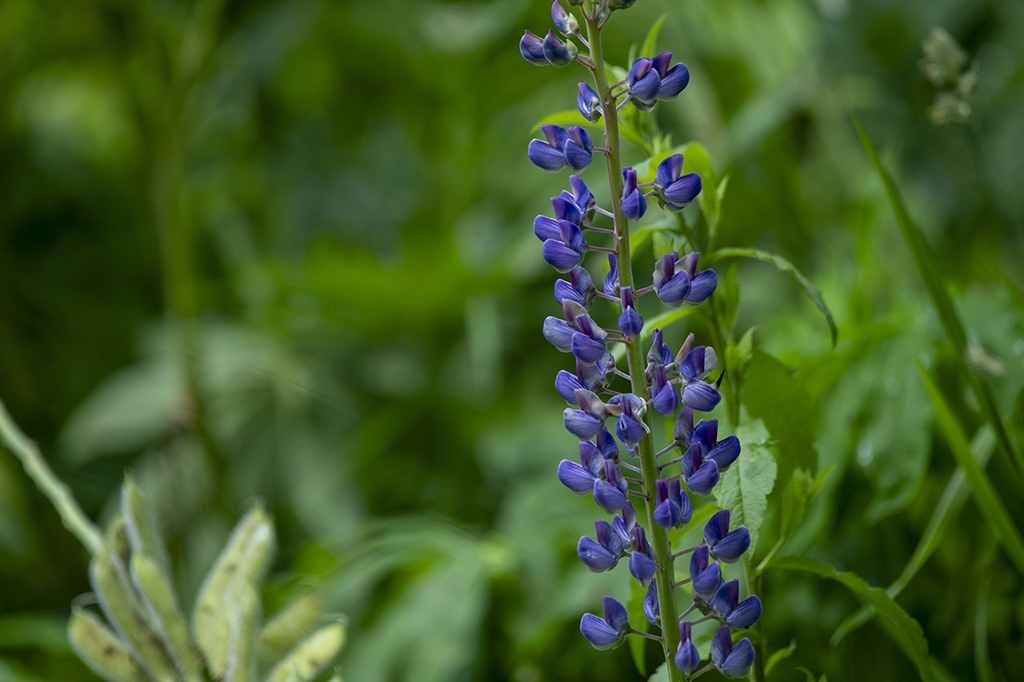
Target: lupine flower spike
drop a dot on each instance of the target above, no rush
(655, 381)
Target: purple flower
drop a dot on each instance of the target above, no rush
(676, 280)
(675, 191)
(724, 451)
(737, 616)
(650, 80)
(603, 554)
(705, 579)
(722, 544)
(666, 397)
(630, 409)
(731, 661)
(672, 508)
(561, 147)
(589, 342)
(557, 52)
(566, 208)
(623, 525)
(659, 354)
(558, 333)
(687, 658)
(582, 197)
(641, 561)
(579, 478)
(532, 48)
(580, 288)
(611, 280)
(566, 251)
(589, 103)
(652, 610)
(700, 475)
(682, 430)
(634, 205)
(698, 394)
(586, 422)
(564, 22)
(630, 322)
(610, 631)
(610, 493)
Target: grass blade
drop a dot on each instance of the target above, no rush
(982, 490)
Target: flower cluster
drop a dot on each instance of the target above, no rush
(617, 463)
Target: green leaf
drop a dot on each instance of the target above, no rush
(569, 117)
(771, 394)
(931, 274)
(635, 609)
(982, 490)
(650, 42)
(745, 487)
(906, 631)
(658, 321)
(642, 235)
(779, 655)
(785, 266)
(661, 674)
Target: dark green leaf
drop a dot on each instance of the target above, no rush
(771, 394)
(901, 627)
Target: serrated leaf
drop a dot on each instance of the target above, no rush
(982, 490)
(784, 265)
(904, 630)
(745, 487)
(771, 394)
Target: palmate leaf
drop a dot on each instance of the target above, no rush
(787, 267)
(745, 487)
(904, 630)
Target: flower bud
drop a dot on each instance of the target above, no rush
(564, 22)
(532, 48)
(557, 52)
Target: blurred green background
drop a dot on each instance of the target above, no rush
(321, 212)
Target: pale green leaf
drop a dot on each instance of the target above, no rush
(779, 655)
(649, 46)
(745, 487)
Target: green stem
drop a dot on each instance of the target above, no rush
(40, 472)
(657, 535)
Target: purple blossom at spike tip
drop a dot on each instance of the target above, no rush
(724, 545)
(674, 190)
(532, 48)
(634, 205)
(611, 280)
(731, 661)
(558, 52)
(607, 632)
(724, 451)
(563, 21)
(652, 610)
(589, 103)
(687, 659)
(630, 322)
